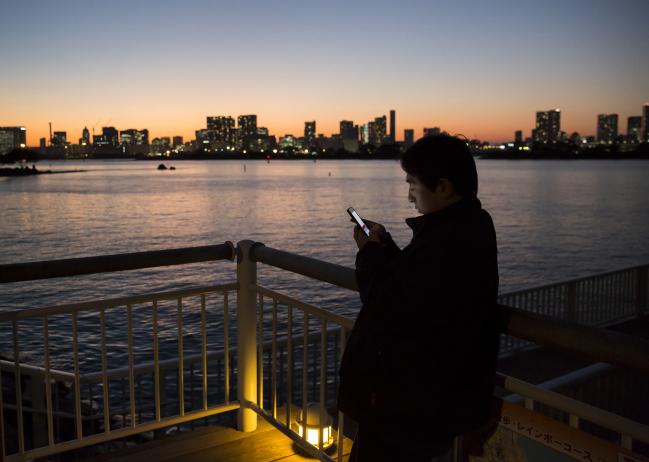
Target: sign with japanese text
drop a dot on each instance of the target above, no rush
(526, 436)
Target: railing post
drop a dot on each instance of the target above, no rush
(642, 276)
(571, 302)
(246, 336)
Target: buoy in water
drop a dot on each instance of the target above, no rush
(329, 173)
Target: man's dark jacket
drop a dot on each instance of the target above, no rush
(423, 350)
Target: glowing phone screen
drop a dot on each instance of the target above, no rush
(360, 221)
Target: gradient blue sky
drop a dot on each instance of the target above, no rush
(480, 68)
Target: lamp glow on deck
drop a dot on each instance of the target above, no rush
(311, 426)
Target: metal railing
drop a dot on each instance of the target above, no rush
(286, 354)
(39, 426)
(527, 327)
(598, 301)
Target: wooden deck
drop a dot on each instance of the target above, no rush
(221, 444)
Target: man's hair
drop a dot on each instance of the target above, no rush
(442, 156)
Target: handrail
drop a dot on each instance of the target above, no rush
(97, 305)
(587, 342)
(594, 344)
(329, 316)
(337, 275)
(30, 271)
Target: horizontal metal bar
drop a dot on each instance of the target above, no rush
(593, 344)
(347, 323)
(317, 269)
(98, 305)
(36, 371)
(577, 377)
(585, 411)
(119, 262)
(570, 379)
(120, 433)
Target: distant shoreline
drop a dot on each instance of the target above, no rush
(32, 172)
(512, 154)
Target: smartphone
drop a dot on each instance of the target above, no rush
(357, 218)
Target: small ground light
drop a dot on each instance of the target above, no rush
(313, 426)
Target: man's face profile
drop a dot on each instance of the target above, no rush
(427, 201)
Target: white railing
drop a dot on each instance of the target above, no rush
(144, 407)
(286, 356)
(598, 301)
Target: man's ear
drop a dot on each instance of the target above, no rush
(445, 187)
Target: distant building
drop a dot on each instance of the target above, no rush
(59, 139)
(235, 135)
(380, 127)
(607, 128)
(108, 138)
(432, 131)
(177, 141)
(548, 126)
(365, 133)
(309, 134)
(348, 136)
(12, 138)
(43, 144)
(518, 137)
(393, 126)
(160, 144)
(634, 129)
(221, 129)
(348, 131)
(373, 137)
(202, 137)
(247, 130)
(408, 137)
(575, 138)
(133, 137)
(287, 141)
(263, 141)
(85, 137)
(645, 123)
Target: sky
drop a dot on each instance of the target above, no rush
(477, 68)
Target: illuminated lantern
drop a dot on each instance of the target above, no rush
(312, 425)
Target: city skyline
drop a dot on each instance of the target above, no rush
(472, 68)
(533, 133)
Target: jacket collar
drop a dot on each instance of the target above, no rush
(454, 210)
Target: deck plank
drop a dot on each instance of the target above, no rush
(266, 444)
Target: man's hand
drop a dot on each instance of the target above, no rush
(377, 234)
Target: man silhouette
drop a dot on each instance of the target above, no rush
(419, 367)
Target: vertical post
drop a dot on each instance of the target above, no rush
(571, 302)
(246, 336)
(642, 274)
